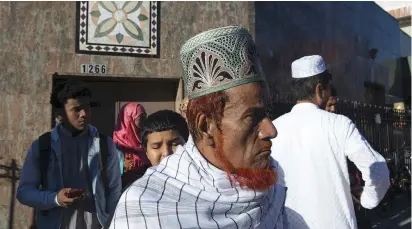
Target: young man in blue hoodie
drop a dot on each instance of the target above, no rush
(71, 175)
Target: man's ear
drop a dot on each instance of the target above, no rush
(60, 112)
(319, 91)
(206, 127)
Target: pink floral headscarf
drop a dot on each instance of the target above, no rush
(127, 134)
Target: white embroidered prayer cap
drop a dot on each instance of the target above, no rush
(308, 66)
(219, 59)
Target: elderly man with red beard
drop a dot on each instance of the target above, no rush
(223, 177)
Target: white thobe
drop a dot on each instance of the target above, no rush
(311, 148)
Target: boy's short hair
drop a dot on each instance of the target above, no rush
(162, 121)
(71, 89)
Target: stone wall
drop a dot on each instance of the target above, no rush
(38, 39)
(342, 32)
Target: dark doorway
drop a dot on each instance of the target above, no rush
(110, 93)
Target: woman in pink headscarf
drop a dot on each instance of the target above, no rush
(127, 138)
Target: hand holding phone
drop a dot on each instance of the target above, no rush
(67, 196)
(73, 193)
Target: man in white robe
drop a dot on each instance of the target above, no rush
(223, 177)
(312, 147)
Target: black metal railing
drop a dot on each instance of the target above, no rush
(12, 173)
(386, 129)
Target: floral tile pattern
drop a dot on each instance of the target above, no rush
(118, 28)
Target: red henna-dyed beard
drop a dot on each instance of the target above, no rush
(256, 179)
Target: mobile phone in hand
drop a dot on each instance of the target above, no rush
(73, 193)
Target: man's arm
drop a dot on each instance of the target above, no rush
(113, 177)
(372, 165)
(28, 192)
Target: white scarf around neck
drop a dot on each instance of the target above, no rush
(186, 191)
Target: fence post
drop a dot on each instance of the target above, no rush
(13, 192)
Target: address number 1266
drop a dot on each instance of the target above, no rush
(93, 68)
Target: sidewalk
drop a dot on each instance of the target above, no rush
(397, 217)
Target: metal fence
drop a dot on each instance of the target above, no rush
(11, 172)
(387, 130)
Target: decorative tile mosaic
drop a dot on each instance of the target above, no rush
(118, 28)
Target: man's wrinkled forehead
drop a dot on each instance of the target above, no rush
(252, 94)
